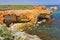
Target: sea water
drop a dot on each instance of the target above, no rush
(49, 31)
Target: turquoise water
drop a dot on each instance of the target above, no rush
(49, 31)
(53, 30)
(55, 27)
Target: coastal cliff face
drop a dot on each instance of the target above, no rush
(25, 15)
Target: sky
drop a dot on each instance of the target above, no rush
(29, 2)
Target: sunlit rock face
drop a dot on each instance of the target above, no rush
(25, 36)
(46, 12)
(53, 8)
(26, 15)
(22, 26)
(19, 34)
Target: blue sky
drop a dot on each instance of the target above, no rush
(29, 2)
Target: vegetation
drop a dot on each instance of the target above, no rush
(5, 34)
(4, 7)
(8, 34)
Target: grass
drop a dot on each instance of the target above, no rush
(4, 7)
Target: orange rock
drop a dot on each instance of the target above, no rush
(1, 18)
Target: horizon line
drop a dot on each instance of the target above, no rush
(18, 4)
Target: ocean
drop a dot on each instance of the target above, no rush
(49, 31)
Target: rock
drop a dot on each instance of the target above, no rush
(53, 8)
(8, 34)
(21, 26)
(25, 36)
